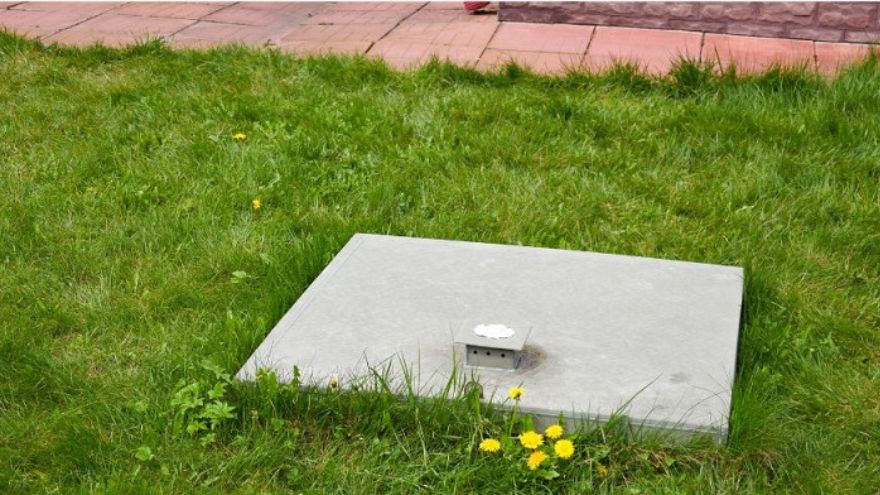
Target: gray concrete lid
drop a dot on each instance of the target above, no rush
(657, 338)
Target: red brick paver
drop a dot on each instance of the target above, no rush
(180, 10)
(445, 34)
(244, 14)
(652, 49)
(753, 54)
(540, 62)
(338, 38)
(357, 17)
(832, 56)
(86, 8)
(409, 34)
(555, 49)
(551, 38)
(118, 29)
(443, 6)
(38, 24)
(286, 7)
(205, 34)
(406, 7)
(39, 20)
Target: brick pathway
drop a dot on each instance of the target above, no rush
(406, 34)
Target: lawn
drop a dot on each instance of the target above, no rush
(134, 269)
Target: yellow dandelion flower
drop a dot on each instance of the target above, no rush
(564, 449)
(334, 383)
(602, 470)
(553, 432)
(239, 136)
(256, 204)
(515, 393)
(531, 440)
(490, 445)
(535, 459)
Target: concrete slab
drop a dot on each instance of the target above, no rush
(656, 339)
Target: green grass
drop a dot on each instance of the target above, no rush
(125, 210)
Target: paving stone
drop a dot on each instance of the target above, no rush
(320, 48)
(30, 32)
(550, 38)
(283, 16)
(450, 16)
(832, 56)
(402, 54)
(753, 54)
(113, 22)
(85, 38)
(654, 337)
(443, 6)
(119, 29)
(205, 34)
(539, 62)
(332, 33)
(243, 14)
(406, 7)
(286, 7)
(444, 34)
(652, 49)
(38, 23)
(454, 34)
(181, 10)
(86, 9)
(349, 17)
